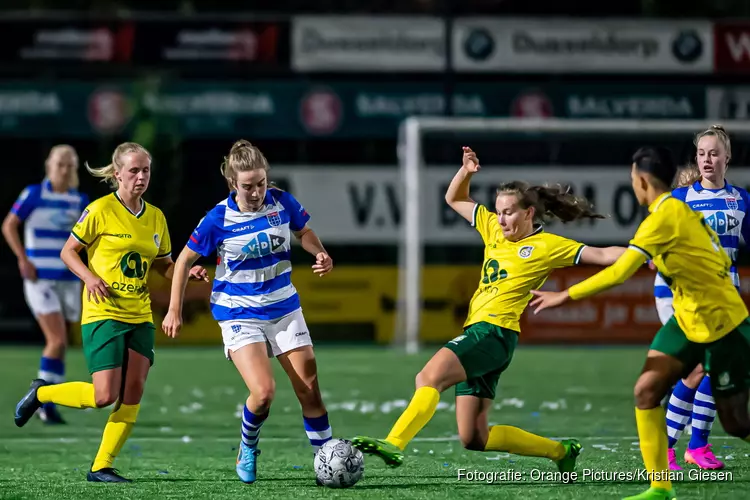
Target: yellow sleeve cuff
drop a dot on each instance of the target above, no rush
(614, 275)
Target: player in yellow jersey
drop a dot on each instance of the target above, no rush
(518, 257)
(710, 322)
(125, 239)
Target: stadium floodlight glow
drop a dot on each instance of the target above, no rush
(411, 164)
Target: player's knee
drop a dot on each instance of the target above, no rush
(473, 441)
(104, 397)
(426, 379)
(647, 395)
(263, 395)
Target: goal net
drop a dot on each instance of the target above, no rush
(568, 151)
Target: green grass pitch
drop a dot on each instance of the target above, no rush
(184, 444)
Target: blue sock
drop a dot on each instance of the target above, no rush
(704, 414)
(251, 424)
(51, 371)
(318, 431)
(679, 409)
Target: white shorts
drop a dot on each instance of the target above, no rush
(664, 309)
(48, 296)
(280, 335)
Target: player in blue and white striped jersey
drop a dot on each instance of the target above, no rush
(253, 298)
(725, 207)
(48, 211)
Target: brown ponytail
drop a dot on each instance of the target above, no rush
(551, 201)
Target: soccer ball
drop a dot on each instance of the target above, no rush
(338, 464)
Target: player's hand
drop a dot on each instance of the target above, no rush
(471, 162)
(96, 288)
(198, 273)
(172, 324)
(546, 300)
(28, 271)
(651, 265)
(323, 264)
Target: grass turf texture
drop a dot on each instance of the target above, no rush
(185, 442)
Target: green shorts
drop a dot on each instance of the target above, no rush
(485, 351)
(105, 343)
(727, 360)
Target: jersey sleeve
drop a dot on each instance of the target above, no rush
(26, 202)
(481, 220)
(298, 216)
(203, 240)
(745, 230)
(654, 235)
(89, 226)
(564, 252)
(165, 242)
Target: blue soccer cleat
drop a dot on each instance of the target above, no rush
(246, 463)
(29, 404)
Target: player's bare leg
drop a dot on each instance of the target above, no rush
(444, 370)
(733, 414)
(55, 331)
(659, 373)
(472, 417)
(254, 366)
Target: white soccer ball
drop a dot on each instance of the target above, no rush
(338, 464)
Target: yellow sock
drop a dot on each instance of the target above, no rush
(116, 432)
(652, 433)
(70, 394)
(420, 410)
(519, 442)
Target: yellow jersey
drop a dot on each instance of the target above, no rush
(512, 269)
(687, 252)
(121, 247)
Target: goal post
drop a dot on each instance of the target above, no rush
(410, 150)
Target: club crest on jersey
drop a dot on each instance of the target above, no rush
(525, 251)
(156, 240)
(732, 203)
(274, 219)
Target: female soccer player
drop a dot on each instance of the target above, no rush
(705, 189)
(519, 256)
(48, 212)
(710, 320)
(125, 238)
(253, 298)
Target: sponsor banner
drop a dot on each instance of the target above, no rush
(137, 42)
(350, 43)
(728, 103)
(732, 42)
(582, 46)
(366, 205)
(366, 297)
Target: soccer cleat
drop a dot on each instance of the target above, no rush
(50, 415)
(572, 450)
(703, 457)
(654, 494)
(391, 455)
(673, 465)
(106, 475)
(29, 404)
(246, 464)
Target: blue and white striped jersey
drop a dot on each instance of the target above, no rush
(726, 211)
(48, 218)
(253, 273)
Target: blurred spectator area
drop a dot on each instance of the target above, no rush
(578, 8)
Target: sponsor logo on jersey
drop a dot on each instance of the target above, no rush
(263, 244)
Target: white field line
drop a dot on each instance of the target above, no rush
(190, 439)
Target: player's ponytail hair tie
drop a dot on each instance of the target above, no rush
(551, 201)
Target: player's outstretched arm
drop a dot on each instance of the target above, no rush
(616, 274)
(601, 256)
(180, 273)
(312, 245)
(457, 196)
